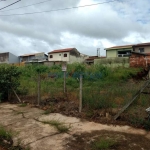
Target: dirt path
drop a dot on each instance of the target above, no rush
(31, 128)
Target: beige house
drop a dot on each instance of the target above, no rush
(69, 55)
(142, 48)
(119, 51)
(125, 50)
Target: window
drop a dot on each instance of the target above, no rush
(65, 55)
(141, 50)
(51, 56)
(125, 53)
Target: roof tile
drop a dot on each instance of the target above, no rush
(61, 50)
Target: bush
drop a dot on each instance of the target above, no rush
(9, 76)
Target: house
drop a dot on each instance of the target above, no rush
(142, 48)
(69, 55)
(35, 57)
(92, 59)
(125, 50)
(8, 58)
(119, 51)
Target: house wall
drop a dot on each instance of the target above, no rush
(48, 63)
(114, 52)
(13, 58)
(111, 53)
(59, 57)
(78, 59)
(41, 56)
(137, 60)
(26, 58)
(4, 58)
(146, 49)
(113, 62)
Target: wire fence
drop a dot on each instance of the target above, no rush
(95, 94)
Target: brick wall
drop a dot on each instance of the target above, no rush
(139, 60)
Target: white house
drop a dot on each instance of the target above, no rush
(69, 55)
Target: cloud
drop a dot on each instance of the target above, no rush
(116, 23)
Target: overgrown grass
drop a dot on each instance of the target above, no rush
(6, 140)
(5, 134)
(23, 105)
(103, 86)
(48, 111)
(140, 122)
(102, 144)
(58, 125)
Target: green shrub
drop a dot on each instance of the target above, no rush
(4, 134)
(9, 79)
(58, 125)
(102, 144)
(72, 82)
(94, 100)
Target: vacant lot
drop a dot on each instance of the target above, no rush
(37, 130)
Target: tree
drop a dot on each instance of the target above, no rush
(9, 76)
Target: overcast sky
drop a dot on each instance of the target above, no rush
(100, 26)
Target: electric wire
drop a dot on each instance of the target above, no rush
(26, 6)
(61, 9)
(10, 4)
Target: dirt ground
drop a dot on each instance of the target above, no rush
(104, 116)
(123, 141)
(82, 135)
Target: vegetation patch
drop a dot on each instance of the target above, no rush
(23, 105)
(6, 141)
(102, 144)
(4, 134)
(46, 112)
(58, 125)
(107, 140)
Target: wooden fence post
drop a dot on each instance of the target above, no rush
(64, 81)
(39, 89)
(80, 94)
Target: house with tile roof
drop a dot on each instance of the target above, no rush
(119, 51)
(125, 50)
(142, 48)
(69, 55)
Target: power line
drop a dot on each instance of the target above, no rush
(26, 6)
(10, 4)
(61, 9)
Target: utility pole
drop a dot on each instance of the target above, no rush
(98, 52)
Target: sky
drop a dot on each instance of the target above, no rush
(109, 23)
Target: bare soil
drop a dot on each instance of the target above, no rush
(8, 145)
(84, 141)
(135, 115)
(123, 141)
